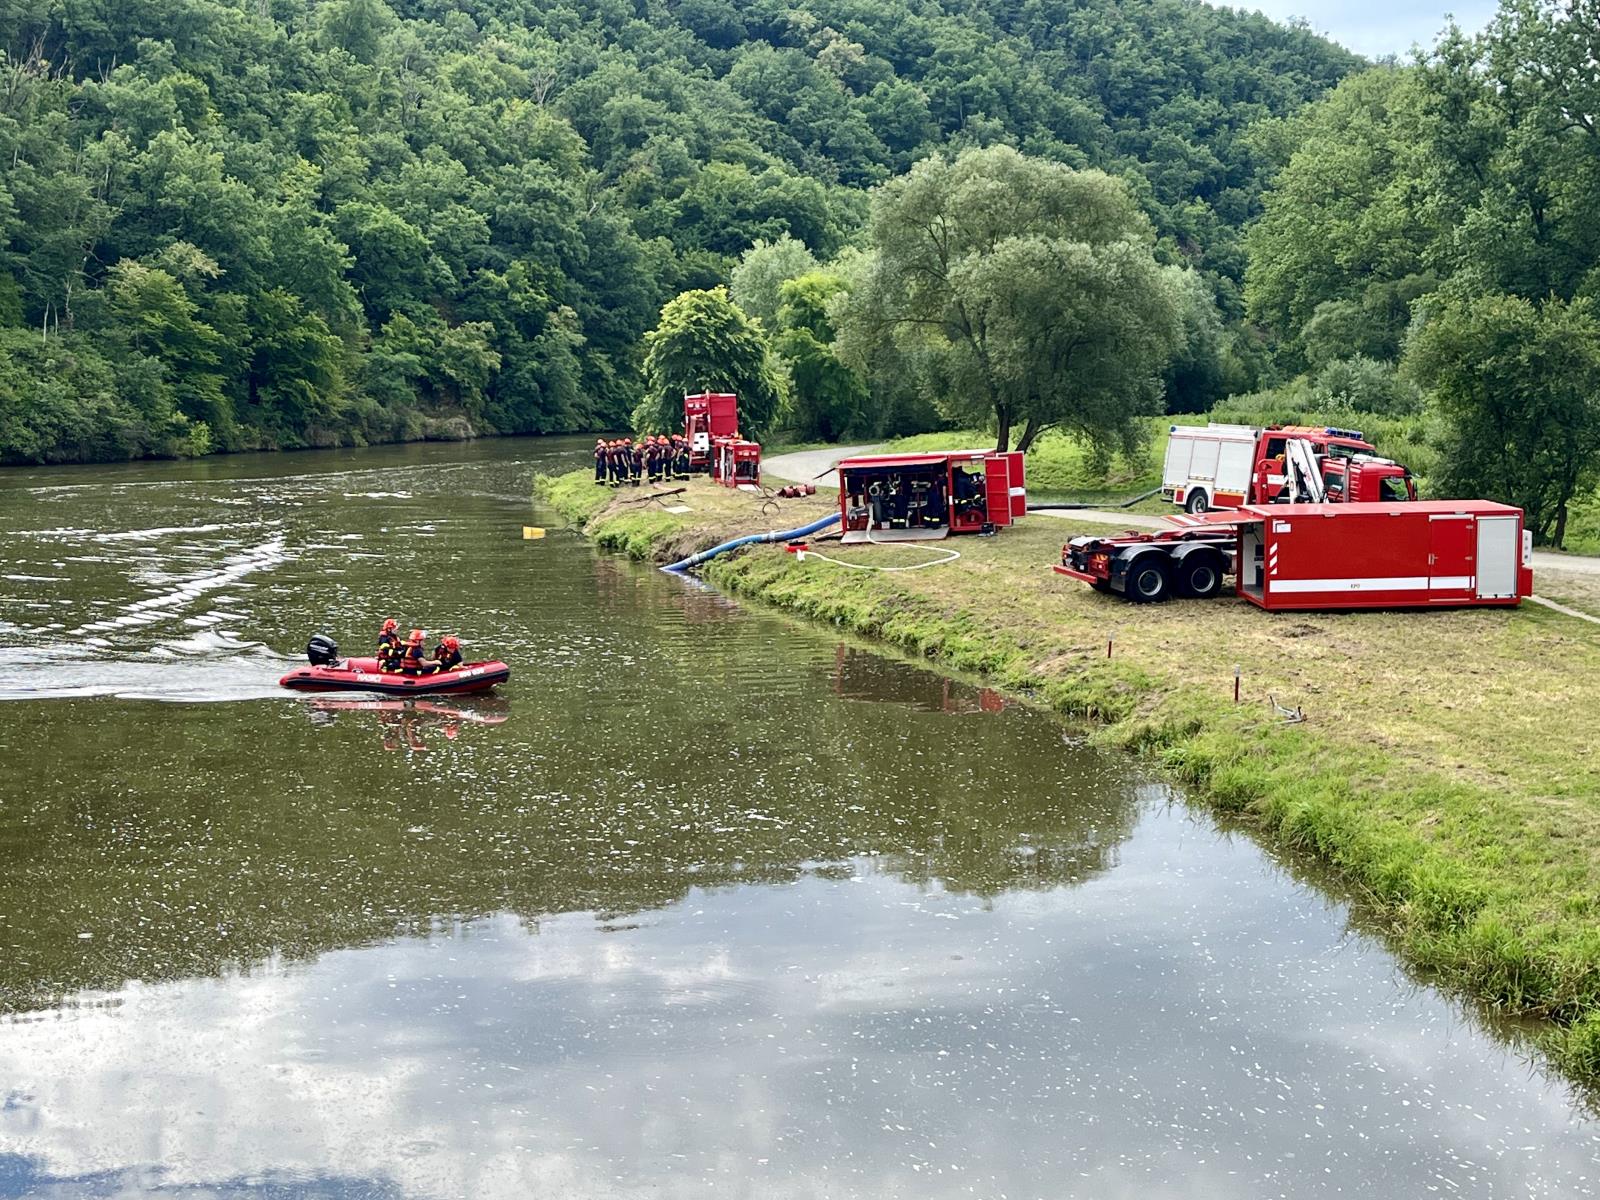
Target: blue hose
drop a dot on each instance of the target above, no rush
(694, 560)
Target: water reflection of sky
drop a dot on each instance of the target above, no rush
(1186, 1024)
(795, 919)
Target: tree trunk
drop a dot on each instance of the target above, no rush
(1560, 534)
(1002, 441)
(1030, 431)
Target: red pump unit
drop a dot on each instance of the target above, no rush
(735, 462)
(913, 497)
(706, 417)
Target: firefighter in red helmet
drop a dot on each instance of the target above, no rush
(414, 660)
(447, 654)
(389, 648)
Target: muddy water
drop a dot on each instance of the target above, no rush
(704, 904)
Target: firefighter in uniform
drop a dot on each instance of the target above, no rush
(415, 661)
(389, 646)
(447, 654)
(600, 461)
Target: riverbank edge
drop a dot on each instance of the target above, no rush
(1289, 784)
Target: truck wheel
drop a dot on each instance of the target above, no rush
(1149, 580)
(1200, 576)
(1197, 503)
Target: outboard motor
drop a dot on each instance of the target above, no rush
(322, 650)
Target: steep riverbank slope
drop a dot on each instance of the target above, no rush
(1446, 766)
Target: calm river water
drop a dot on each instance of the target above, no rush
(703, 904)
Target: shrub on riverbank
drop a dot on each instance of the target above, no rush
(1445, 768)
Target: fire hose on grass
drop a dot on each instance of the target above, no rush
(789, 535)
(949, 556)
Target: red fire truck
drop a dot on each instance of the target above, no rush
(913, 497)
(1222, 466)
(1415, 554)
(706, 417)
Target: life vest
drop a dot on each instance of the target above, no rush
(447, 660)
(388, 652)
(414, 662)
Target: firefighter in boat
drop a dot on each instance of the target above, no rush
(414, 660)
(447, 654)
(389, 648)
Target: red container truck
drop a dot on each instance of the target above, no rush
(1419, 554)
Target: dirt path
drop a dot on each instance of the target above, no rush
(812, 466)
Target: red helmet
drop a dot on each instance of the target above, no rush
(451, 642)
(390, 625)
(416, 638)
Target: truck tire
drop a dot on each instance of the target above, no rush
(1149, 579)
(1199, 576)
(1197, 502)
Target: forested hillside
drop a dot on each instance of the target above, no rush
(1430, 254)
(228, 224)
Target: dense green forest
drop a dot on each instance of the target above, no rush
(1429, 257)
(227, 225)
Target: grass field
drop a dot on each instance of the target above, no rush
(1447, 768)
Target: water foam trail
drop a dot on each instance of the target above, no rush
(150, 535)
(194, 674)
(187, 589)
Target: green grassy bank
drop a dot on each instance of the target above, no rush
(1447, 768)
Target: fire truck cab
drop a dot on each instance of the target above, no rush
(1224, 466)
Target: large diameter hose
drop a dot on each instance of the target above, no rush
(694, 560)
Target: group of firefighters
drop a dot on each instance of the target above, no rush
(407, 657)
(656, 457)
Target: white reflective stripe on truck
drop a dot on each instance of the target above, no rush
(1379, 583)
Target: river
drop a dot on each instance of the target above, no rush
(703, 904)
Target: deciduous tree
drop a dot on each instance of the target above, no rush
(705, 343)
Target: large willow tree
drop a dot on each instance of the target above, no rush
(1026, 293)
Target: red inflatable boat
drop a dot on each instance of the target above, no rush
(362, 675)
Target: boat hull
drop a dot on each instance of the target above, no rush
(362, 675)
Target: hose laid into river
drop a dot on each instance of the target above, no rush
(694, 560)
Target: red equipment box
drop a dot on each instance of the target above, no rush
(912, 497)
(735, 461)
